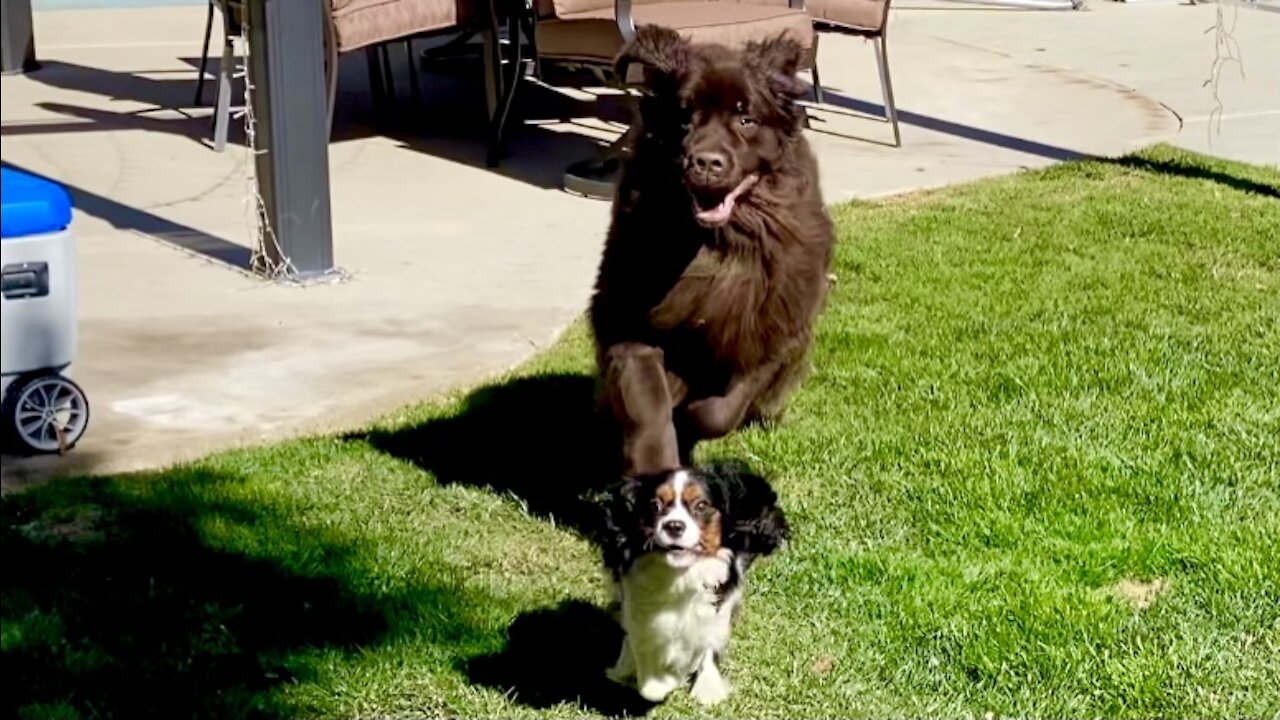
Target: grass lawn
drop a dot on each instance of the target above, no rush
(1036, 472)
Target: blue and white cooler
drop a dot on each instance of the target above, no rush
(42, 408)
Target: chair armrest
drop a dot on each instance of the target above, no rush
(626, 24)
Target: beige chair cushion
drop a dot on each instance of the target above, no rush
(367, 22)
(868, 15)
(593, 36)
(865, 15)
(557, 8)
(563, 8)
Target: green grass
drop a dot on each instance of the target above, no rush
(1027, 393)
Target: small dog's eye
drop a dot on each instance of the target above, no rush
(746, 121)
(701, 506)
(656, 504)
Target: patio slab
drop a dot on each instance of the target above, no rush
(1164, 49)
(454, 272)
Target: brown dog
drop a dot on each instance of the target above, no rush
(717, 258)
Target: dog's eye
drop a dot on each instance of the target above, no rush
(657, 505)
(701, 506)
(746, 121)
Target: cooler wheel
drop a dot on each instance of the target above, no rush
(47, 413)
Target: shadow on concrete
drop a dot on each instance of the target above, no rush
(171, 89)
(835, 99)
(557, 452)
(168, 598)
(449, 123)
(170, 94)
(446, 118)
(140, 221)
(83, 119)
(559, 655)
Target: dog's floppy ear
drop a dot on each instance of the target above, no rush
(779, 58)
(753, 523)
(780, 54)
(656, 57)
(618, 540)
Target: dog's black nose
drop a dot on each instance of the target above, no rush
(710, 164)
(673, 527)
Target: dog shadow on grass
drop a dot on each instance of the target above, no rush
(559, 655)
(539, 439)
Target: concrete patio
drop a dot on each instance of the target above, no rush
(456, 272)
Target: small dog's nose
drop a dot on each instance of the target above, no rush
(711, 164)
(674, 528)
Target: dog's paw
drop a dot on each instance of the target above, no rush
(656, 689)
(714, 417)
(714, 575)
(710, 688)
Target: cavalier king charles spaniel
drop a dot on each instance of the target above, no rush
(678, 545)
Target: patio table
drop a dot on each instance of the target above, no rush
(290, 99)
(286, 73)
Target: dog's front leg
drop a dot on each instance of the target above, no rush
(717, 416)
(639, 394)
(709, 687)
(624, 671)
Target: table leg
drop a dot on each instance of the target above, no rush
(17, 42)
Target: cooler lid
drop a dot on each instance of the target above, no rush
(31, 205)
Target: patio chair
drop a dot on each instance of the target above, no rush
(232, 12)
(374, 24)
(590, 33)
(867, 19)
(370, 25)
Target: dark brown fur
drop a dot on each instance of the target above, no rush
(726, 311)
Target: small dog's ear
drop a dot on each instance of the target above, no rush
(657, 57)
(621, 498)
(618, 538)
(780, 58)
(754, 524)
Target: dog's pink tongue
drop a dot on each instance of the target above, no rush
(721, 213)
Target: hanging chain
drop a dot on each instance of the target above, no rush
(1226, 51)
(262, 262)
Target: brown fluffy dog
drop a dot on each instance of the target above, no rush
(716, 263)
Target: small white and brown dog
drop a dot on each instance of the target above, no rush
(678, 545)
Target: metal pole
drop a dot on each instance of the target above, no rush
(17, 43)
(286, 69)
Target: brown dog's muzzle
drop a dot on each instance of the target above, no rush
(706, 168)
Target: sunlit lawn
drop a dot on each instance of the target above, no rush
(1035, 472)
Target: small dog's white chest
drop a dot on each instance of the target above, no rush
(674, 616)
